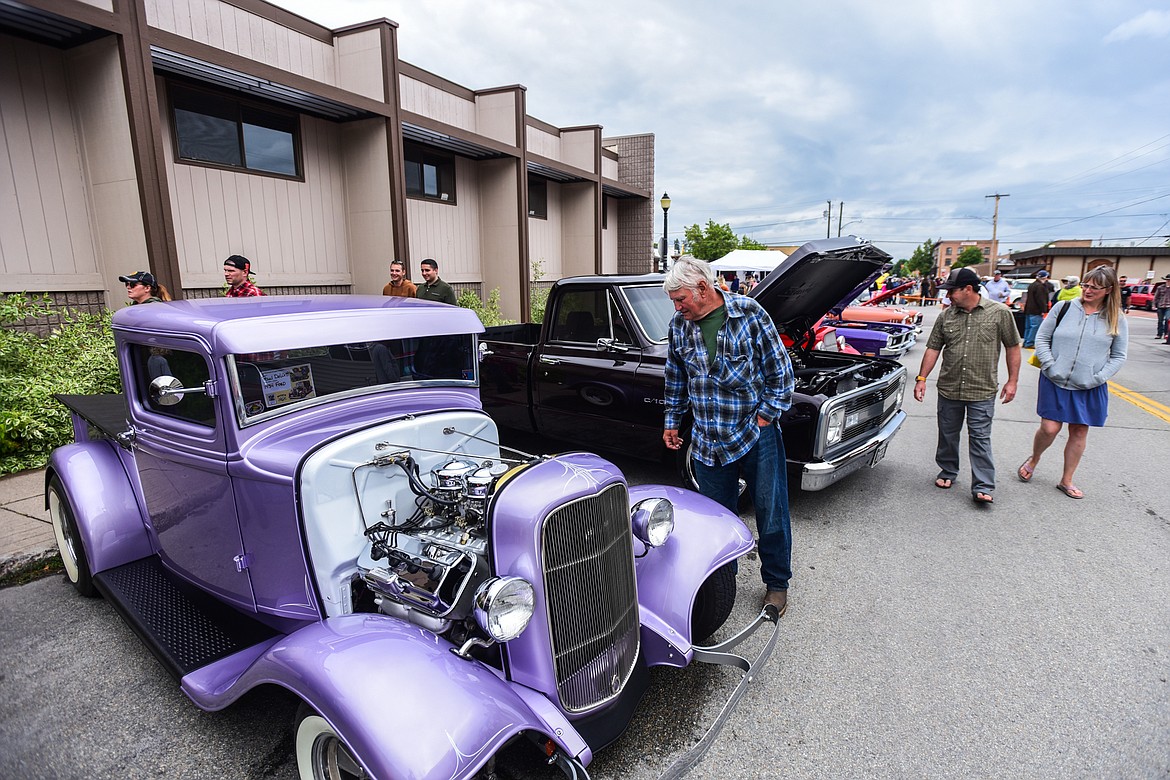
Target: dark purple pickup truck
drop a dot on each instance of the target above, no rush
(592, 373)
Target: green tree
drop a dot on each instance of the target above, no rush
(714, 241)
(922, 260)
(710, 243)
(972, 255)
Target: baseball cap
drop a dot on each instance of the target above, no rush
(240, 262)
(138, 277)
(1072, 279)
(1041, 274)
(961, 277)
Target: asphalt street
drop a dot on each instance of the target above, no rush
(926, 636)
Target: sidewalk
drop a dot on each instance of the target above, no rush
(26, 534)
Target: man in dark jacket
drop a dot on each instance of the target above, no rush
(434, 288)
(1035, 307)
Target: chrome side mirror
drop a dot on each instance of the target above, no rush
(168, 391)
(611, 345)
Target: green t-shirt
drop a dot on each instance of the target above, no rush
(709, 326)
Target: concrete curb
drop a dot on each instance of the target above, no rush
(26, 533)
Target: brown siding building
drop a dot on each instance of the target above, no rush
(1134, 263)
(165, 136)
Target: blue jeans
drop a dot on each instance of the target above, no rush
(1163, 314)
(765, 469)
(950, 423)
(1031, 325)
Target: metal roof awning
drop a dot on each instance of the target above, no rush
(450, 143)
(552, 173)
(44, 27)
(166, 61)
(617, 192)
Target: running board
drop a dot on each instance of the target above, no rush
(184, 627)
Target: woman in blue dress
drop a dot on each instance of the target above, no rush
(1079, 349)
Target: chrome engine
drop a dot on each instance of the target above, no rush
(425, 562)
(428, 520)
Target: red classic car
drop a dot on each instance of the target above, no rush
(1141, 296)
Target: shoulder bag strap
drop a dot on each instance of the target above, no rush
(1060, 315)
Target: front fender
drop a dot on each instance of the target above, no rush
(404, 703)
(706, 536)
(113, 531)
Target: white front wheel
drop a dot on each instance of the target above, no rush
(69, 539)
(321, 755)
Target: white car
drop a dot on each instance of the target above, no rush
(1019, 289)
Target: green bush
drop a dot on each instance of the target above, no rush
(76, 357)
(489, 312)
(537, 296)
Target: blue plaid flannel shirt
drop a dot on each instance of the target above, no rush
(750, 377)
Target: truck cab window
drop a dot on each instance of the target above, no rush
(581, 317)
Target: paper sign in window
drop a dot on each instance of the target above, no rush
(288, 385)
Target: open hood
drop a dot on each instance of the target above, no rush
(814, 278)
(883, 296)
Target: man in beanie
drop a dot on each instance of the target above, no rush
(968, 335)
(236, 270)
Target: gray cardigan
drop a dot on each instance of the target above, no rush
(1080, 354)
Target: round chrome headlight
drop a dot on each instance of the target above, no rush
(503, 607)
(653, 521)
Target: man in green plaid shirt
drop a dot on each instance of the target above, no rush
(968, 335)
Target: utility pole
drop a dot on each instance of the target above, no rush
(994, 224)
(840, 211)
(829, 219)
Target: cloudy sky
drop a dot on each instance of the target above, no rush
(909, 113)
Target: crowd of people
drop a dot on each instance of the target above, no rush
(1077, 330)
(142, 287)
(1080, 338)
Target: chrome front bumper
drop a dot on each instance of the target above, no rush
(900, 349)
(818, 476)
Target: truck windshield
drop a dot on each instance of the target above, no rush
(652, 308)
(271, 383)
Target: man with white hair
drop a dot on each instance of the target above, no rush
(727, 365)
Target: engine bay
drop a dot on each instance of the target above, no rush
(395, 517)
(828, 374)
(425, 566)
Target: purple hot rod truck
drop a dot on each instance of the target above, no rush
(306, 493)
(592, 373)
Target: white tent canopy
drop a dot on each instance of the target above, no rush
(763, 260)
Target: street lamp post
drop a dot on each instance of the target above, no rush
(664, 248)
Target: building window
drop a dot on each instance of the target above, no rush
(428, 175)
(537, 197)
(221, 130)
(949, 250)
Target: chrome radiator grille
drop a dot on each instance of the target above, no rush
(591, 596)
(875, 413)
